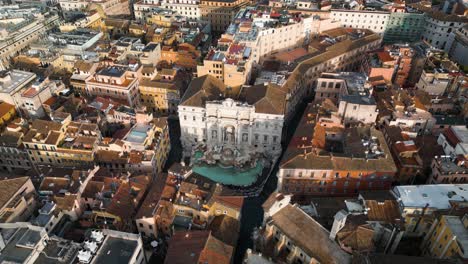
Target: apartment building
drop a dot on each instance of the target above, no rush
(393, 64)
(42, 141)
(199, 200)
(265, 30)
(156, 214)
(291, 235)
(12, 154)
(362, 19)
(204, 248)
(405, 24)
(345, 53)
(73, 8)
(439, 26)
(144, 8)
(216, 115)
(405, 153)
(183, 56)
(358, 108)
(438, 76)
(186, 8)
(82, 70)
(118, 208)
(420, 204)
(74, 44)
(12, 83)
(117, 82)
(230, 63)
(399, 108)
(32, 98)
(447, 238)
(18, 36)
(457, 45)
(220, 13)
(324, 158)
(454, 141)
(79, 144)
(7, 113)
(160, 93)
(36, 245)
(112, 7)
(18, 200)
(448, 169)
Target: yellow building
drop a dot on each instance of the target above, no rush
(7, 112)
(220, 12)
(79, 145)
(162, 143)
(42, 141)
(447, 238)
(231, 64)
(161, 93)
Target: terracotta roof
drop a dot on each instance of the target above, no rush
(405, 146)
(308, 235)
(451, 137)
(271, 200)
(359, 238)
(9, 187)
(235, 202)
(83, 66)
(128, 196)
(5, 108)
(351, 157)
(216, 252)
(202, 89)
(186, 247)
(268, 99)
(66, 202)
(290, 56)
(226, 229)
(384, 56)
(151, 201)
(92, 188)
(387, 211)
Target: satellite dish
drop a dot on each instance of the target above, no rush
(154, 243)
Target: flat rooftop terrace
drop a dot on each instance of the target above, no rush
(116, 250)
(10, 81)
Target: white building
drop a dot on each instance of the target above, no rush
(73, 8)
(454, 140)
(358, 108)
(12, 83)
(439, 26)
(23, 242)
(74, 43)
(457, 45)
(187, 8)
(17, 33)
(265, 34)
(362, 19)
(413, 199)
(244, 118)
(33, 97)
(144, 8)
